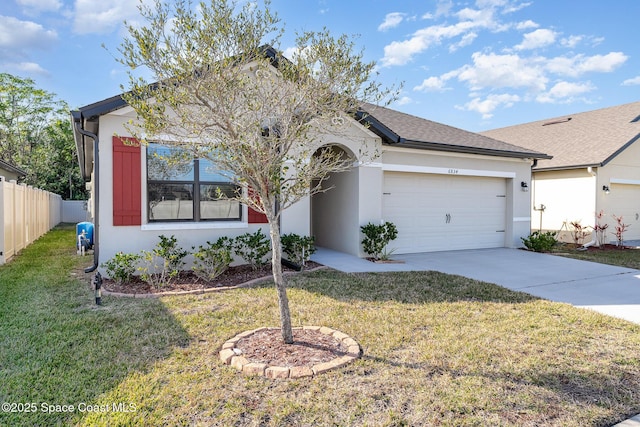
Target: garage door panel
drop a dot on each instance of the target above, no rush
(625, 202)
(440, 212)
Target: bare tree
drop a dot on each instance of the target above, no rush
(224, 91)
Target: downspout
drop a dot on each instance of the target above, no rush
(593, 235)
(96, 193)
(533, 195)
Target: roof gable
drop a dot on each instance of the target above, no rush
(411, 131)
(590, 138)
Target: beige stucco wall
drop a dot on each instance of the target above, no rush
(348, 203)
(333, 217)
(622, 176)
(8, 175)
(578, 195)
(567, 196)
(133, 239)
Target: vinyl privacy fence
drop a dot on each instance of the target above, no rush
(26, 213)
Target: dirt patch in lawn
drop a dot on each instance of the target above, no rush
(188, 281)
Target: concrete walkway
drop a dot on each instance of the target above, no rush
(604, 288)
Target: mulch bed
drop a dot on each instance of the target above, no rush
(188, 281)
(609, 247)
(309, 348)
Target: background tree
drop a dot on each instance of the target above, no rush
(224, 92)
(36, 136)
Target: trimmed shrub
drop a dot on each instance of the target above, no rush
(252, 248)
(121, 267)
(541, 242)
(212, 260)
(377, 237)
(298, 249)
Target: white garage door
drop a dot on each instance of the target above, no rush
(443, 212)
(624, 200)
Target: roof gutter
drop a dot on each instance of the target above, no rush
(77, 124)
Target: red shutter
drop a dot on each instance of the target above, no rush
(255, 217)
(127, 191)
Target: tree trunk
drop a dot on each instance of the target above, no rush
(278, 278)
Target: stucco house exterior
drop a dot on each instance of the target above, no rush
(595, 168)
(10, 172)
(444, 188)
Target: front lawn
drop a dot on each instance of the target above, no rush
(628, 257)
(438, 350)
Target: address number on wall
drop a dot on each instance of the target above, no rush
(453, 171)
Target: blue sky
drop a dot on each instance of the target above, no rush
(476, 65)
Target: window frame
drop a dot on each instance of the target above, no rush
(196, 185)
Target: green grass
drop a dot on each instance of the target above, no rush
(624, 257)
(438, 350)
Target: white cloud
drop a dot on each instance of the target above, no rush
(537, 39)
(103, 17)
(27, 67)
(17, 37)
(602, 63)
(526, 25)
(487, 106)
(470, 21)
(510, 8)
(40, 5)
(577, 65)
(391, 20)
(571, 41)
(466, 40)
(564, 92)
(501, 71)
(404, 101)
(431, 84)
(632, 82)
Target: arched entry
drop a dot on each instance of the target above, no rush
(334, 212)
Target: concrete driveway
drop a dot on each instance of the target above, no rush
(604, 288)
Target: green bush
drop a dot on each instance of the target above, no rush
(297, 248)
(377, 237)
(212, 260)
(121, 267)
(540, 242)
(252, 248)
(163, 263)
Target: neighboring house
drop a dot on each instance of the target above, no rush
(10, 172)
(444, 188)
(595, 168)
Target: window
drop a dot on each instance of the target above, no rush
(180, 188)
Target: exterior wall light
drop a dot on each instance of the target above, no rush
(605, 188)
(524, 186)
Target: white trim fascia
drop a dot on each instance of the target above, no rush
(624, 181)
(426, 152)
(168, 226)
(447, 171)
(368, 164)
(521, 219)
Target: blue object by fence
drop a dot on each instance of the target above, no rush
(87, 229)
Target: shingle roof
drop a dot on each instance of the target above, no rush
(591, 138)
(415, 132)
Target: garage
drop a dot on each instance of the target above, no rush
(626, 201)
(445, 212)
